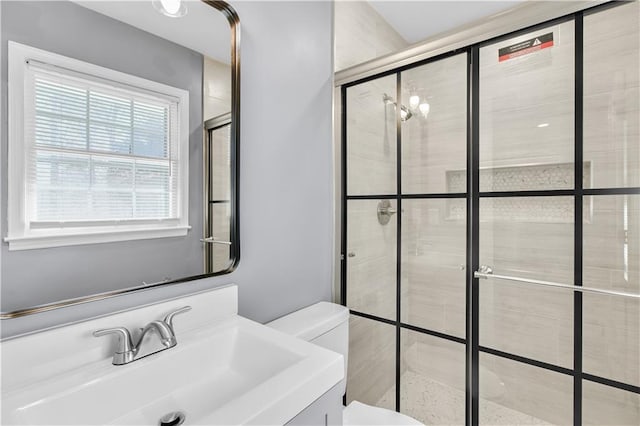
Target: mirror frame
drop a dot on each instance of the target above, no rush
(234, 25)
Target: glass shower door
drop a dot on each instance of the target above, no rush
(405, 247)
(491, 240)
(526, 226)
(433, 243)
(558, 152)
(371, 223)
(611, 231)
(218, 224)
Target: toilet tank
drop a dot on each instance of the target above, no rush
(325, 324)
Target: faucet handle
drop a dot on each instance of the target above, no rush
(169, 318)
(125, 351)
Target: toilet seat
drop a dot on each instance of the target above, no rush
(361, 414)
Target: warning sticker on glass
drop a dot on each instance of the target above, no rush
(525, 47)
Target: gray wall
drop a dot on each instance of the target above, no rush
(286, 171)
(32, 277)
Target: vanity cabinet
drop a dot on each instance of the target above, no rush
(325, 411)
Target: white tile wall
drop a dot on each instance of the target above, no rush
(434, 247)
(611, 328)
(361, 34)
(604, 406)
(372, 366)
(435, 144)
(539, 393)
(217, 101)
(371, 260)
(612, 95)
(220, 184)
(217, 88)
(371, 138)
(519, 94)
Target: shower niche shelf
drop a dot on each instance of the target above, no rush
(536, 177)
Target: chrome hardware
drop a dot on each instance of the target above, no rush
(167, 338)
(385, 211)
(175, 418)
(212, 240)
(405, 114)
(351, 254)
(164, 280)
(127, 350)
(485, 275)
(484, 269)
(169, 318)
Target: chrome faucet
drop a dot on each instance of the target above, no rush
(127, 351)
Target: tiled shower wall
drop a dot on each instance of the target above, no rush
(361, 34)
(220, 186)
(372, 247)
(217, 101)
(217, 88)
(528, 237)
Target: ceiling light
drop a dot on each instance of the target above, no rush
(414, 100)
(424, 109)
(171, 8)
(543, 125)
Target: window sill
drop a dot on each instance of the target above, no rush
(95, 236)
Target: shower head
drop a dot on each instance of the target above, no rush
(405, 113)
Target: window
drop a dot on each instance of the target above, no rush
(95, 155)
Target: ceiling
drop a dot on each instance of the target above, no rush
(203, 29)
(418, 20)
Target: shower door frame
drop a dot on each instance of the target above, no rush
(473, 196)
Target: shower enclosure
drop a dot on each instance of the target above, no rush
(491, 228)
(219, 253)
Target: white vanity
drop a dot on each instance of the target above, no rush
(224, 370)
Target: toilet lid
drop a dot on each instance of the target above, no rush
(358, 413)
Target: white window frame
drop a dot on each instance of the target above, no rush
(21, 235)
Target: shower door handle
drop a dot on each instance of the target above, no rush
(485, 272)
(213, 240)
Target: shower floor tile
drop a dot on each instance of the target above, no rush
(434, 403)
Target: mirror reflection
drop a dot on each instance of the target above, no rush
(111, 180)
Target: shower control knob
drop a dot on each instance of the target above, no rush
(385, 211)
(351, 254)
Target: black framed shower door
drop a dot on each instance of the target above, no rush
(493, 158)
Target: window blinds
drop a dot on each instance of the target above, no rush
(98, 151)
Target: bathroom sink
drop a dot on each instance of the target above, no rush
(233, 372)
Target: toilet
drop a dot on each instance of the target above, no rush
(327, 325)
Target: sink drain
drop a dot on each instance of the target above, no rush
(172, 419)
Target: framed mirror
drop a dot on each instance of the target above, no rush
(120, 141)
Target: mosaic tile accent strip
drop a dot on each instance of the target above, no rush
(521, 178)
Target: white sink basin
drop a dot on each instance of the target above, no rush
(232, 372)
